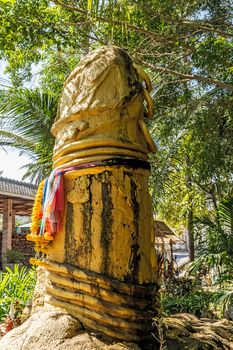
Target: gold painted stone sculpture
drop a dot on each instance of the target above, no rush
(99, 269)
(101, 260)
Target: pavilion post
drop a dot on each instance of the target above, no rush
(13, 221)
(171, 250)
(7, 229)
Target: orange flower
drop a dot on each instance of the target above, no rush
(37, 210)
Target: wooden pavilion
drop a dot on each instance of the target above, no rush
(164, 241)
(164, 235)
(16, 198)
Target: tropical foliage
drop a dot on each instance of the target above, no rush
(200, 303)
(187, 49)
(215, 244)
(16, 288)
(26, 117)
(186, 295)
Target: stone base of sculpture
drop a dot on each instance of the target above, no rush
(116, 309)
(101, 267)
(53, 328)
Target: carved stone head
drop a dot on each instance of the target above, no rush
(101, 110)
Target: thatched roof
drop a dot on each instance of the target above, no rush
(164, 235)
(21, 193)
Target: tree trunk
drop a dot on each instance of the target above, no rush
(191, 234)
(190, 225)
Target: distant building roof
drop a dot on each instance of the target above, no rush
(13, 188)
(27, 225)
(164, 235)
(21, 193)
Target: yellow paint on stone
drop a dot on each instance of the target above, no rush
(102, 263)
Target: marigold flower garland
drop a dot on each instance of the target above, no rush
(37, 214)
(48, 210)
(37, 210)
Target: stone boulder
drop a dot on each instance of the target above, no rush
(52, 328)
(185, 331)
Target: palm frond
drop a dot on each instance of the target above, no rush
(205, 221)
(96, 7)
(10, 139)
(35, 172)
(225, 211)
(26, 117)
(225, 300)
(26, 111)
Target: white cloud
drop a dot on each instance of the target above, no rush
(10, 164)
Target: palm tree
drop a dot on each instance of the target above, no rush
(215, 246)
(26, 117)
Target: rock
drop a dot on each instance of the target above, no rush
(44, 327)
(185, 331)
(53, 329)
(39, 291)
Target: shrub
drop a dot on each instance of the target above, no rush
(16, 289)
(184, 295)
(14, 256)
(180, 285)
(200, 303)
